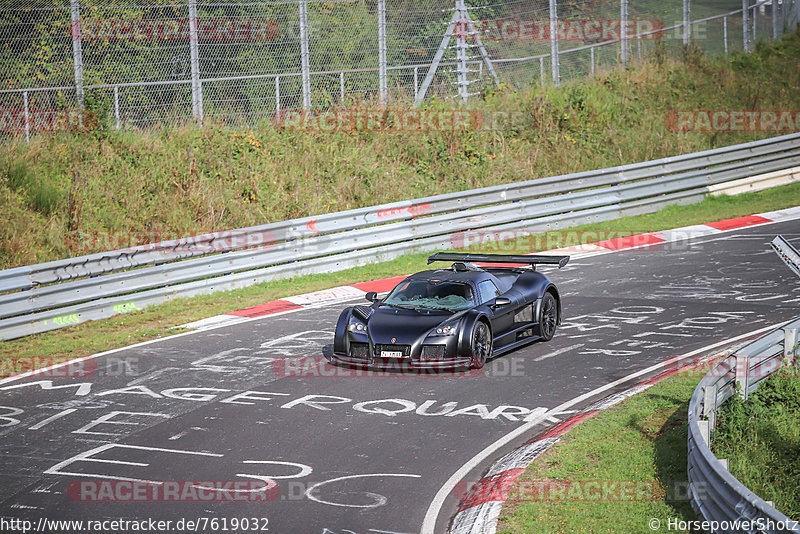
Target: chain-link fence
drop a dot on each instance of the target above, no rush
(148, 62)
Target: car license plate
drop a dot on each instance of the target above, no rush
(391, 354)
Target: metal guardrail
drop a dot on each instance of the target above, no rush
(787, 253)
(45, 296)
(715, 494)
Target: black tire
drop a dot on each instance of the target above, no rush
(548, 317)
(480, 346)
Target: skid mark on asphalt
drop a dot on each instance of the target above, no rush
(557, 352)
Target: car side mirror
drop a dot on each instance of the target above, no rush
(501, 301)
(371, 296)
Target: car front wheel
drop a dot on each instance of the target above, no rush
(481, 345)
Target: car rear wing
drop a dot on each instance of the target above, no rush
(500, 258)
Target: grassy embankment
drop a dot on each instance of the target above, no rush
(65, 194)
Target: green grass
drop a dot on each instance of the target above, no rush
(760, 438)
(158, 321)
(640, 442)
(72, 194)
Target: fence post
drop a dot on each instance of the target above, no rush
(437, 58)
(754, 23)
(795, 16)
(116, 105)
(554, 42)
(541, 70)
(341, 87)
(725, 34)
(591, 58)
(784, 16)
(27, 117)
(416, 82)
(461, 51)
(623, 24)
(277, 96)
(775, 20)
(200, 101)
(194, 56)
(745, 24)
(687, 24)
(77, 50)
(382, 51)
(304, 55)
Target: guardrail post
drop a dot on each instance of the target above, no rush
(710, 405)
(554, 42)
(703, 425)
(194, 57)
(745, 24)
(742, 372)
(687, 24)
(791, 344)
(623, 24)
(304, 55)
(382, 51)
(27, 116)
(77, 50)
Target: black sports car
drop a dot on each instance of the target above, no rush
(451, 317)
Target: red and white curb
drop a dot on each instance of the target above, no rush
(354, 291)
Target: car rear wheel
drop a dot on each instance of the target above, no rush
(548, 317)
(481, 345)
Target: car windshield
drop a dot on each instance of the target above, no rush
(431, 294)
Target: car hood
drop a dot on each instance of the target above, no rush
(404, 326)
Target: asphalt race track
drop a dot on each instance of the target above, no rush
(255, 403)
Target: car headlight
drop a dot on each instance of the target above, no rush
(445, 330)
(357, 326)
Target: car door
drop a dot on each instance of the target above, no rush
(502, 318)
